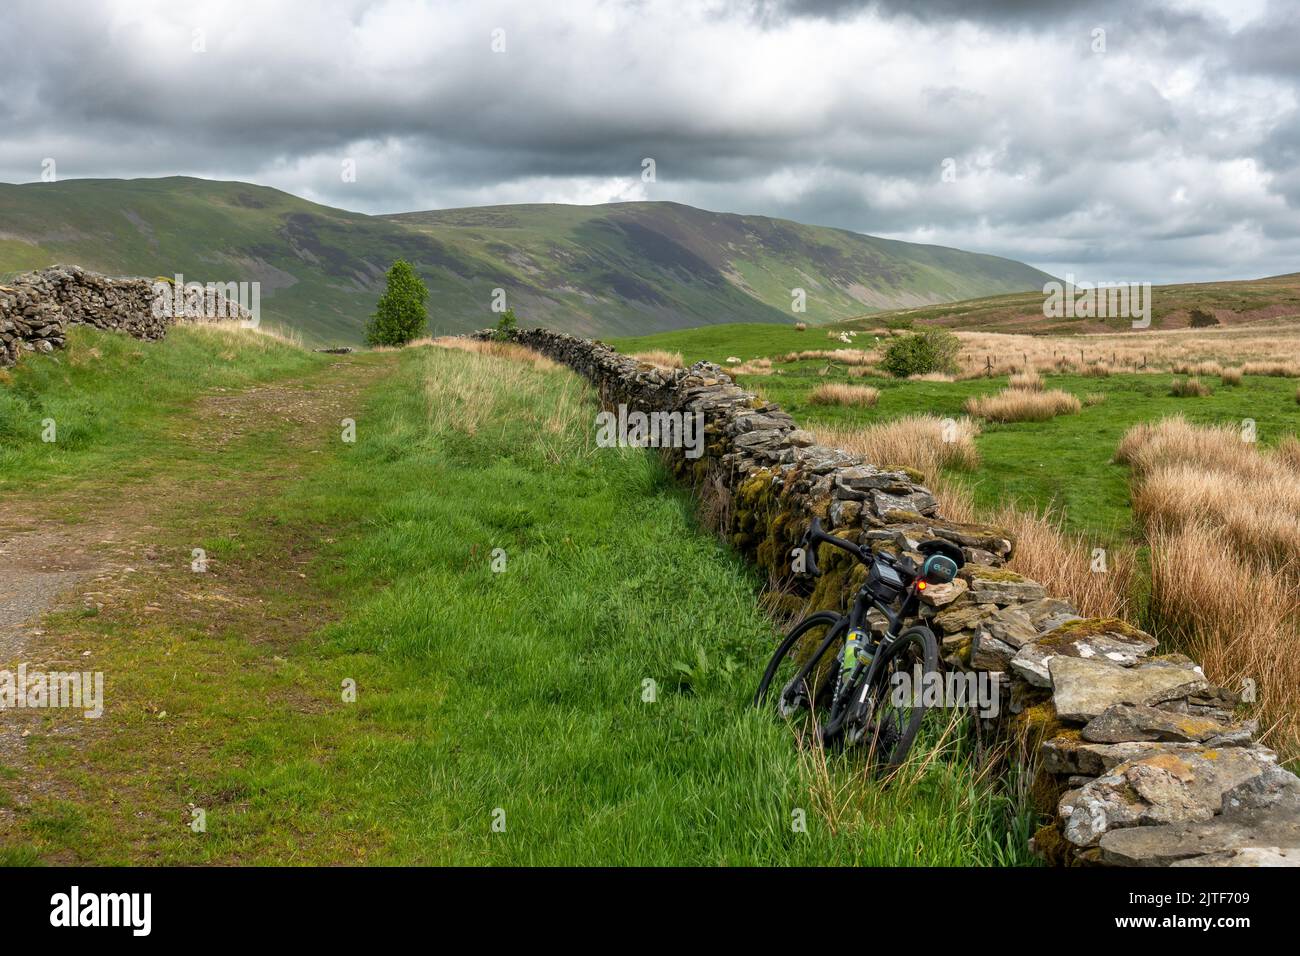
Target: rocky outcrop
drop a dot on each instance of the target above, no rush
(37, 308)
(1140, 760)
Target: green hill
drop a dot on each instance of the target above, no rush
(618, 269)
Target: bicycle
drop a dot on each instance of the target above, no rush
(854, 689)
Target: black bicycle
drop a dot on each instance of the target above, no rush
(852, 678)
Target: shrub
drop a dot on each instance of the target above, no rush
(1202, 319)
(932, 350)
(400, 315)
(840, 394)
(1019, 405)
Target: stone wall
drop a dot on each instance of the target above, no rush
(1137, 758)
(36, 309)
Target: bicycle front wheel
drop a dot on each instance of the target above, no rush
(890, 711)
(801, 673)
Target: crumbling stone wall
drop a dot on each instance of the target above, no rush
(37, 308)
(1137, 757)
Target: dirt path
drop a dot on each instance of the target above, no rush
(116, 547)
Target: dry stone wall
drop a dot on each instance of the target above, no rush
(1137, 758)
(36, 309)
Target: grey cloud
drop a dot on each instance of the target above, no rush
(831, 113)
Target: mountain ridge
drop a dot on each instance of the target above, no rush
(610, 269)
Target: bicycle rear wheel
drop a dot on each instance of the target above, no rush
(796, 680)
(888, 714)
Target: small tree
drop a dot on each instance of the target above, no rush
(401, 314)
(930, 350)
(506, 325)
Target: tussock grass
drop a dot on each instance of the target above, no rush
(1028, 380)
(1222, 518)
(660, 358)
(837, 393)
(1190, 388)
(1231, 377)
(925, 443)
(1273, 368)
(1019, 405)
(760, 366)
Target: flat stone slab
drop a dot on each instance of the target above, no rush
(1000, 586)
(1166, 787)
(1130, 722)
(1259, 825)
(1070, 755)
(1103, 639)
(1083, 687)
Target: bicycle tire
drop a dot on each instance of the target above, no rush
(887, 739)
(836, 626)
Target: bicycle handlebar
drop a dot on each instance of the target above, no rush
(815, 536)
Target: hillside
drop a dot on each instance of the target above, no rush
(619, 269)
(1273, 298)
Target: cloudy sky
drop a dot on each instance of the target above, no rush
(1116, 140)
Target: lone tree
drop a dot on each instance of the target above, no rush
(401, 315)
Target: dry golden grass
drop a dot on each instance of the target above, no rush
(233, 330)
(1240, 620)
(1093, 398)
(1254, 347)
(1222, 518)
(1098, 585)
(839, 356)
(469, 384)
(837, 393)
(660, 358)
(1230, 376)
(1274, 368)
(510, 351)
(931, 377)
(1190, 388)
(1028, 380)
(925, 443)
(758, 366)
(1019, 405)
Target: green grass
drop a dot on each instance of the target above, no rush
(112, 398)
(520, 690)
(1064, 463)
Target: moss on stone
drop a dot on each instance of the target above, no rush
(982, 573)
(1094, 626)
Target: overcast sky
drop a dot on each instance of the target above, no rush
(1165, 148)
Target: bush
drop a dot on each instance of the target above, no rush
(400, 315)
(1202, 319)
(919, 353)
